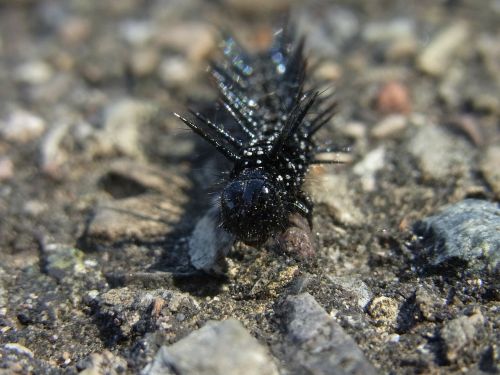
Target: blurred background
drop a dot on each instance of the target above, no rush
(87, 91)
(71, 61)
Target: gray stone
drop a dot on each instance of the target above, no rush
(318, 343)
(219, 348)
(145, 177)
(209, 243)
(466, 231)
(439, 154)
(304, 317)
(436, 57)
(122, 122)
(105, 363)
(351, 290)
(145, 217)
(342, 23)
(335, 192)
(458, 333)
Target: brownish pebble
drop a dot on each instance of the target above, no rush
(393, 97)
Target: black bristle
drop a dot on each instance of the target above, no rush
(265, 96)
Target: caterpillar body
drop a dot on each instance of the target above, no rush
(276, 113)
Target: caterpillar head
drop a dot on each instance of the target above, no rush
(251, 209)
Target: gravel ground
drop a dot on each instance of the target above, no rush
(101, 188)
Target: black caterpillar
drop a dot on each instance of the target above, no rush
(277, 116)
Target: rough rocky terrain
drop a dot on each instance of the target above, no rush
(101, 188)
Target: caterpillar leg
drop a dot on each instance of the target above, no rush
(297, 239)
(303, 205)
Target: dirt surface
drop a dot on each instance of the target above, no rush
(101, 187)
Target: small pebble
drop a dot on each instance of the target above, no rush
(393, 97)
(6, 168)
(368, 167)
(436, 57)
(103, 363)
(439, 154)
(401, 49)
(33, 72)
(123, 120)
(75, 30)
(321, 345)
(52, 156)
(194, 40)
(428, 304)
(389, 127)
(384, 310)
(136, 32)
(458, 333)
(394, 338)
(341, 26)
(328, 71)
(335, 191)
(176, 70)
(351, 290)
(22, 126)
(19, 349)
(355, 130)
(398, 28)
(144, 61)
